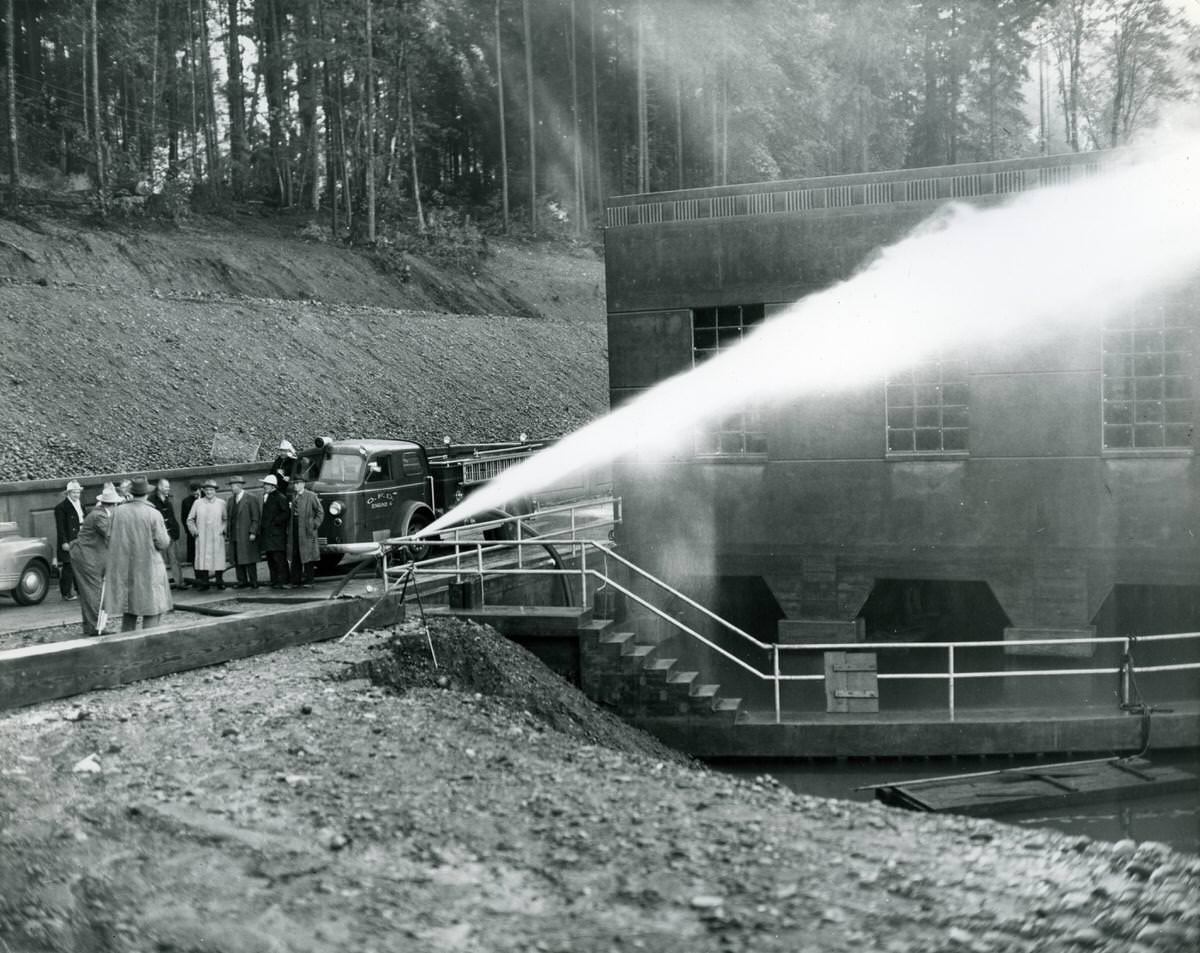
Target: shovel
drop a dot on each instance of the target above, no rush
(102, 614)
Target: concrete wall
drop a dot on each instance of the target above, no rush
(1037, 508)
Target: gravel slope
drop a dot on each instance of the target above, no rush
(288, 803)
(128, 351)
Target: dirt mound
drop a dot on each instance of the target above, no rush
(147, 351)
(468, 657)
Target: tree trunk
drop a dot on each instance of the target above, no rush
(678, 130)
(194, 126)
(503, 129)
(643, 137)
(533, 209)
(98, 137)
(581, 223)
(370, 132)
(597, 171)
(236, 97)
(343, 152)
(412, 145)
(154, 94)
(211, 156)
(14, 161)
(83, 59)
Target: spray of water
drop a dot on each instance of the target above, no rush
(1050, 257)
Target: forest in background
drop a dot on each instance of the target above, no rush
(383, 115)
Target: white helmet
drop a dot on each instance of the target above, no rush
(286, 447)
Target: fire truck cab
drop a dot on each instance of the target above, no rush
(372, 490)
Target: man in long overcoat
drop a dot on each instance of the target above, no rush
(185, 509)
(206, 522)
(89, 556)
(136, 576)
(302, 533)
(273, 530)
(243, 516)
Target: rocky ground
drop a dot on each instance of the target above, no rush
(358, 797)
(130, 349)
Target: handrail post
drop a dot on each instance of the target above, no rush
(457, 556)
(1126, 664)
(482, 585)
(583, 596)
(950, 666)
(775, 655)
(520, 548)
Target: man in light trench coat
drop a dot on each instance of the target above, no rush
(207, 522)
(135, 579)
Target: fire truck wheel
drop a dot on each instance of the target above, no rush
(417, 521)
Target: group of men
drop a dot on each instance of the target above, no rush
(121, 556)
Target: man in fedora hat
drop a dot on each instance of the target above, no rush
(135, 579)
(89, 556)
(303, 549)
(68, 517)
(273, 530)
(206, 522)
(243, 515)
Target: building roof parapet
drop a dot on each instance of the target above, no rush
(932, 184)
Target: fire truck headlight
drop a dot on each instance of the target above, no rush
(335, 507)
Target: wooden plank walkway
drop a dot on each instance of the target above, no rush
(1035, 788)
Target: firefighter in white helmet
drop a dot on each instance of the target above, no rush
(284, 466)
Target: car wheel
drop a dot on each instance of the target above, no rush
(33, 584)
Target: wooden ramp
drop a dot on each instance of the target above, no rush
(1034, 788)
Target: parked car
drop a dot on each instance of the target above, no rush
(24, 565)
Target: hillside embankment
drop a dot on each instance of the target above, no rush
(144, 348)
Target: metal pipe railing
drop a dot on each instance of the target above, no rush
(953, 673)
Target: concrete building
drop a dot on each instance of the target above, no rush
(1043, 488)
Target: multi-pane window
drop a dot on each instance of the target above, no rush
(714, 330)
(1147, 402)
(927, 408)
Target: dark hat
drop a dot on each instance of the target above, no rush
(193, 485)
(237, 481)
(299, 478)
(208, 483)
(139, 487)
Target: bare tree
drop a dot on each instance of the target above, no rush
(503, 128)
(370, 83)
(14, 162)
(533, 215)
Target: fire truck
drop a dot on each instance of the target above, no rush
(372, 490)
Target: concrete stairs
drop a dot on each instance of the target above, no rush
(637, 673)
(642, 677)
